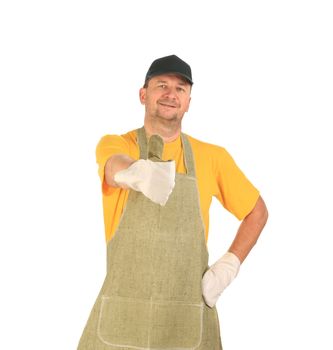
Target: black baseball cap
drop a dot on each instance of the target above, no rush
(170, 65)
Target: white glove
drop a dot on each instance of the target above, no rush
(218, 277)
(155, 180)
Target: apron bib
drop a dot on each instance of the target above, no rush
(151, 298)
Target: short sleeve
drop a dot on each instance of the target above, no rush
(234, 191)
(108, 146)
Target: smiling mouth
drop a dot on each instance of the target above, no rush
(167, 105)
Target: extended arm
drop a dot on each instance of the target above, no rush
(155, 180)
(114, 164)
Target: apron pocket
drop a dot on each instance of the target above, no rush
(147, 324)
(176, 325)
(124, 321)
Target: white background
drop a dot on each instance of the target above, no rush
(70, 73)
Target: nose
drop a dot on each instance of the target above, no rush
(170, 92)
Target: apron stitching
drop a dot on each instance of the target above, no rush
(99, 320)
(109, 343)
(201, 327)
(103, 298)
(150, 319)
(218, 335)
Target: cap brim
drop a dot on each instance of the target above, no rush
(171, 73)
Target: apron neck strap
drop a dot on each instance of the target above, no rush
(188, 154)
(142, 142)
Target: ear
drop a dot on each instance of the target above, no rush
(142, 95)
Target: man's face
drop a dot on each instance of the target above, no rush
(167, 97)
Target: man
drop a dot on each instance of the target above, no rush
(157, 182)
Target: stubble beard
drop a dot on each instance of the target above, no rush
(171, 122)
(168, 124)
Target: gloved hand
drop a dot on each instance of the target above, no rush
(218, 277)
(155, 180)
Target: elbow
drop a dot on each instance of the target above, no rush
(259, 214)
(264, 215)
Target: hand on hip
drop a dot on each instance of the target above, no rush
(218, 277)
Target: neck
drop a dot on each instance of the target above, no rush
(168, 134)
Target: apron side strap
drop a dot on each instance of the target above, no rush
(188, 156)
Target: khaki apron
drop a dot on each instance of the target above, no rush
(151, 297)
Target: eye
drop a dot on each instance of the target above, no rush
(162, 86)
(180, 89)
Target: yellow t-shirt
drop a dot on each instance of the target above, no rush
(217, 175)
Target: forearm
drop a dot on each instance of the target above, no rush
(114, 164)
(249, 230)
